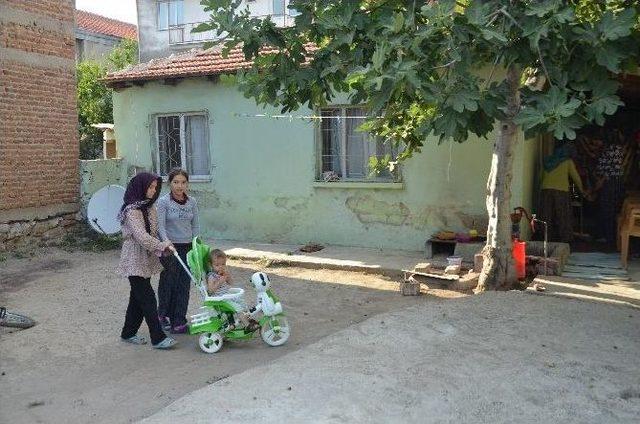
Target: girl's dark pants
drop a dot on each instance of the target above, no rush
(142, 304)
(173, 289)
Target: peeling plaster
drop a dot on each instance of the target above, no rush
(292, 204)
(369, 211)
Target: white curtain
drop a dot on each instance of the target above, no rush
(358, 145)
(197, 147)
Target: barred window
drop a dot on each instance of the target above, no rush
(183, 142)
(345, 151)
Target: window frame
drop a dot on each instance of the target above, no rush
(183, 148)
(169, 25)
(396, 175)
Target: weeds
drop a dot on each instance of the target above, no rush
(23, 254)
(265, 262)
(89, 241)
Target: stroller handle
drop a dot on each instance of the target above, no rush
(186, 268)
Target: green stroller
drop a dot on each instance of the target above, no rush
(215, 322)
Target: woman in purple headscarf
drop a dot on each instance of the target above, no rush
(139, 260)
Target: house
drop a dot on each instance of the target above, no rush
(39, 180)
(97, 35)
(260, 178)
(263, 178)
(165, 25)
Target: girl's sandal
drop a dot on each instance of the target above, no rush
(539, 287)
(167, 343)
(136, 340)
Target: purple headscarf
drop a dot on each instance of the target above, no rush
(135, 197)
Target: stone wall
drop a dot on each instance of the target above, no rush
(48, 231)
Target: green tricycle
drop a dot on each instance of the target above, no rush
(216, 321)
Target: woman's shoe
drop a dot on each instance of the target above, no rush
(136, 340)
(167, 343)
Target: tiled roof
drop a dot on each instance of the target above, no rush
(102, 25)
(195, 63)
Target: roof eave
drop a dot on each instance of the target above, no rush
(116, 82)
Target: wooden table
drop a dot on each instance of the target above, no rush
(434, 246)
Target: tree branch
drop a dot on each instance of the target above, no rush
(544, 67)
(493, 69)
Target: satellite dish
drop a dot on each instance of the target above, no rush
(103, 208)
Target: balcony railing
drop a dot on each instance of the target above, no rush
(182, 34)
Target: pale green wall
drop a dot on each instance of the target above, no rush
(262, 186)
(98, 173)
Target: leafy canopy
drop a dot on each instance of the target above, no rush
(436, 68)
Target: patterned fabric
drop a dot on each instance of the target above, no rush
(610, 163)
(136, 205)
(140, 250)
(223, 289)
(555, 210)
(239, 303)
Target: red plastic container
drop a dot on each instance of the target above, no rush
(519, 257)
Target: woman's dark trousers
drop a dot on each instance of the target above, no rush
(173, 290)
(142, 304)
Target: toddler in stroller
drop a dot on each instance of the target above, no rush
(219, 284)
(221, 304)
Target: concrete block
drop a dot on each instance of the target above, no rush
(410, 287)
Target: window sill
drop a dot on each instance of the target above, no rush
(359, 185)
(192, 179)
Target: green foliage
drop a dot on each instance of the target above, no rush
(592, 11)
(94, 106)
(435, 68)
(94, 97)
(125, 54)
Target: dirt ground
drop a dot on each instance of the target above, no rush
(499, 358)
(72, 367)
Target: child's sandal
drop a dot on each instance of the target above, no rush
(253, 326)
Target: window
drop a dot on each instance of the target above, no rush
(345, 151)
(170, 13)
(183, 141)
(281, 14)
(278, 7)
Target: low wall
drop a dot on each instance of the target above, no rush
(38, 225)
(98, 173)
(48, 225)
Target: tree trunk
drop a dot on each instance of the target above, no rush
(498, 271)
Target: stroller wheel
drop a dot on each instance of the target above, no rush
(275, 331)
(210, 342)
